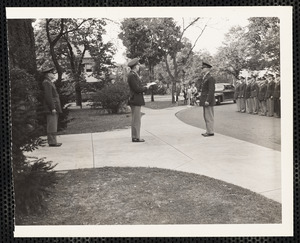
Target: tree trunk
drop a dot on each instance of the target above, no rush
(151, 70)
(78, 95)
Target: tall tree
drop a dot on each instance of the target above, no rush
(70, 40)
(263, 39)
(140, 37)
(171, 40)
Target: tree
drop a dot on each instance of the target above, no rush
(232, 57)
(32, 178)
(140, 37)
(263, 38)
(171, 40)
(70, 40)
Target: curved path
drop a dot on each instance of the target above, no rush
(172, 144)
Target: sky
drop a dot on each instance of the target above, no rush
(211, 39)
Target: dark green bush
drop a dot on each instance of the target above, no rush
(112, 96)
(33, 184)
(31, 178)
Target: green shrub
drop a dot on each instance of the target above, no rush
(33, 183)
(112, 96)
(31, 178)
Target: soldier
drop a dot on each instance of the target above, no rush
(262, 96)
(207, 99)
(269, 95)
(254, 94)
(236, 95)
(242, 95)
(248, 96)
(276, 97)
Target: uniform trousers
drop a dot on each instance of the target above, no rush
(52, 120)
(208, 114)
(238, 104)
(263, 107)
(270, 106)
(277, 107)
(249, 105)
(255, 105)
(243, 104)
(135, 121)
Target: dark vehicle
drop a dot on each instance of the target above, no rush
(224, 92)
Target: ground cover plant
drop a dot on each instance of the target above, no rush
(116, 196)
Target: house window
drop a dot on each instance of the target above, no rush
(88, 68)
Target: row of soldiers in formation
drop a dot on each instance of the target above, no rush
(259, 95)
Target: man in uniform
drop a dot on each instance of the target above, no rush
(269, 94)
(136, 99)
(277, 97)
(254, 93)
(51, 103)
(262, 96)
(236, 94)
(207, 99)
(242, 94)
(248, 96)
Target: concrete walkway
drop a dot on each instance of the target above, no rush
(172, 144)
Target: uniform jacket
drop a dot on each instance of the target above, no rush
(262, 91)
(208, 91)
(248, 91)
(136, 89)
(51, 97)
(270, 89)
(242, 90)
(237, 91)
(276, 93)
(254, 89)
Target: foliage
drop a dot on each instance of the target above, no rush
(113, 96)
(254, 47)
(32, 185)
(69, 41)
(31, 178)
(26, 118)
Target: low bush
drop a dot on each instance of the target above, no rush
(112, 97)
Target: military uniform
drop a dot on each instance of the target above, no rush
(276, 96)
(236, 95)
(136, 100)
(254, 98)
(52, 108)
(207, 100)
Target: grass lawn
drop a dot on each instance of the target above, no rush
(159, 104)
(94, 120)
(117, 196)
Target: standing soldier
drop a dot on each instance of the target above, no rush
(262, 96)
(136, 98)
(51, 103)
(207, 99)
(269, 95)
(236, 95)
(248, 96)
(277, 97)
(254, 94)
(242, 95)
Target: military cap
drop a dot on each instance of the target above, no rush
(47, 67)
(206, 65)
(133, 62)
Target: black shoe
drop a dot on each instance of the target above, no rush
(55, 145)
(138, 140)
(207, 134)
